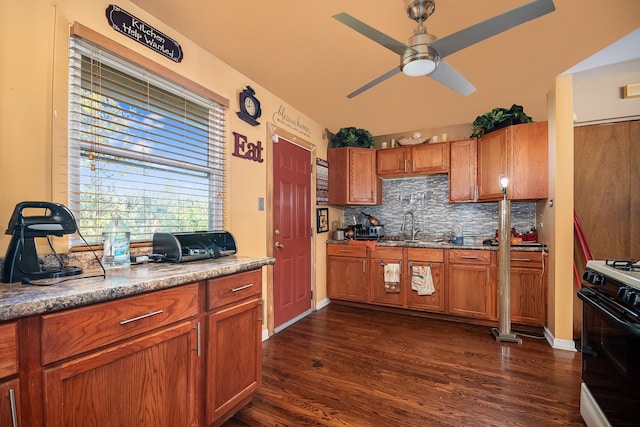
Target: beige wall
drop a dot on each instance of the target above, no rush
(556, 214)
(34, 40)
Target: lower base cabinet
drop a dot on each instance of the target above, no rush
(234, 348)
(347, 273)
(148, 381)
(380, 291)
(434, 259)
(528, 292)
(472, 278)
(189, 356)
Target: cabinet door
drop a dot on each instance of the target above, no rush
(234, 358)
(393, 161)
(462, 171)
(352, 177)
(148, 381)
(430, 158)
(435, 301)
(528, 296)
(470, 291)
(492, 163)
(347, 278)
(379, 293)
(9, 398)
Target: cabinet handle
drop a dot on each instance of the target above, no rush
(364, 265)
(405, 165)
(348, 251)
(144, 316)
(14, 412)
(240, 288)
(521, 259)
(469, 257)
(488, 277)
(197, 328)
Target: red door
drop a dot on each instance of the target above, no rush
(291, 231)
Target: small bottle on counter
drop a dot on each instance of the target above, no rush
(116, 240)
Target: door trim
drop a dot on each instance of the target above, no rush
(273, 132)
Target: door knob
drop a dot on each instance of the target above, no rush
(279, 245)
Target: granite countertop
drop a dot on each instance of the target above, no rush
(537, 247)
(18, 300)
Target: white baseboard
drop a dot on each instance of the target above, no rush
(557, 343)
(323, 303)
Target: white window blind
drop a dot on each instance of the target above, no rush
(142, 148)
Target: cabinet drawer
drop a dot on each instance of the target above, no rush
(229, 289)
(430, 255)
(387, 253)
(8, 349)
(347, 250)
(476, 257)
(526, 259)
(72, 332)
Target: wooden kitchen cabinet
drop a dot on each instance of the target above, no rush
(422, 159)
(519, 152)
(234, 344)
(471, 280)
(352, 177)
(433, 258)
(9, 383)
(528, 292)
(137, 362)
(462, 171)
(377, 262)
(347, 272)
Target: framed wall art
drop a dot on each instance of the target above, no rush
(322, 220)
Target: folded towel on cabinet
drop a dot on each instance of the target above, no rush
(392, 278)
(421, 280)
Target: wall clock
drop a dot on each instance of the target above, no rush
(249, 106)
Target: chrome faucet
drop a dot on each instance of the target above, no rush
(414, 230)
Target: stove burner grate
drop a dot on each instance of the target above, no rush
(623, 264)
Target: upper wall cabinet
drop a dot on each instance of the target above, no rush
(422, 159)
(462, 171)
(352, 177)
(519, 152)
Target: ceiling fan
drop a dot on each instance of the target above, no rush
(423, 54)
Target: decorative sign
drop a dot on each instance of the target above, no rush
(247, 150)
(294, 123)
(127, 24)
(322, 182)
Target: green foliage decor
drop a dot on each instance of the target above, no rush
(499, 118)
(352, 137)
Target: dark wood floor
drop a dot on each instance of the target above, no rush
(345, 366)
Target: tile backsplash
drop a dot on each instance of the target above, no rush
(428, 199)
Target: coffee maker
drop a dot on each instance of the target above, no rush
(21, 261)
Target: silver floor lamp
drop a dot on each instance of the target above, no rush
(503, 331)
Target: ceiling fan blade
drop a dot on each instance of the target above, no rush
(491, 27)
(451, 78)
(370, 32)
(374, 82)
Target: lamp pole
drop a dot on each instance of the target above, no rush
(503, 332)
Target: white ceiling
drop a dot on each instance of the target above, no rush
(296, 50)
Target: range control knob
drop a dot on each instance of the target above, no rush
(622, 293)
(631, 297)
(593, 277)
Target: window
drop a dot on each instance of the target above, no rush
(142, 148)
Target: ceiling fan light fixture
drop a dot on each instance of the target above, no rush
(421, 59)
(419, 67)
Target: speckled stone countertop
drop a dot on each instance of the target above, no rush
(18, 300)
(436, 245)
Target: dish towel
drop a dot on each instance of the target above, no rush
(421, 280)
(392, 278)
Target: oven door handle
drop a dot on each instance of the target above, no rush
(591, 298)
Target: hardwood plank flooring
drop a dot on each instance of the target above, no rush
(347, 366)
